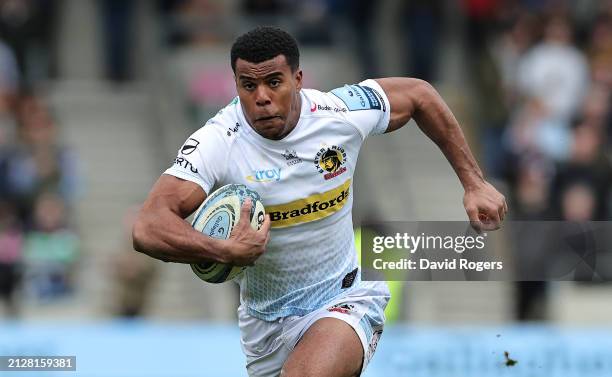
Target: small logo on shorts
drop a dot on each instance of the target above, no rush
(373, 345)
(341, 308)
(349, 279)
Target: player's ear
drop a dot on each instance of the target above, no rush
(298, 79)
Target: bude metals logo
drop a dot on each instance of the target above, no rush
(330, 161)
(336, 109)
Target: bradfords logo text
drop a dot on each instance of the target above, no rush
(330, 160)
(270, 175)
(312, 208)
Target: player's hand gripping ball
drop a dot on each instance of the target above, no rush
(216, 218)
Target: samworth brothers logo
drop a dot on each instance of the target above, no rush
(329, 161)
(314, 207)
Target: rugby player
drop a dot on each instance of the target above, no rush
(304, 310)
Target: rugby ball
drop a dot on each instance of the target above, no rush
(216, 218)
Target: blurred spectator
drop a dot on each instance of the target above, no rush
(51, 249)
(531, 202)
(170, 36)
(495, 81)
(532, 132)
(9, 71)
(577, 191)
(263, 8)
(422, 21)
(38, 162)
(193, 22)
(133, 275)
(531, 199)
(28, 27)
(553, 79)
(507, 51)
(600, 50)
(9, 86)
(578, 202)
(480, 19)
(11, 243)
(117, 21)
(588, 166)
(554, 73)
(596, 108)
(360, 17)
(314, 23)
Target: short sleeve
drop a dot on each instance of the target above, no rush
(201, 159)
(367, 106)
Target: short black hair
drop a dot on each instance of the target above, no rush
(265, 43)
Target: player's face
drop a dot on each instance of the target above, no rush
(270, 95)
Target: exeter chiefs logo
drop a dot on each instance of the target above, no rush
(330, 161)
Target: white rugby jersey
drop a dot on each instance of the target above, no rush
(305, 182)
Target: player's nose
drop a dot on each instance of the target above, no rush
(262, 97)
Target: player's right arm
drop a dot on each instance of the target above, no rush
(161, 232)
(417, 99)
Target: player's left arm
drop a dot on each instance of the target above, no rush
(416, 99)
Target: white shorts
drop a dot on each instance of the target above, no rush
(267, 344)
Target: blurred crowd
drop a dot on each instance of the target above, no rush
(38, 242)
(543, 78)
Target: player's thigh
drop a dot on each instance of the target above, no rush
(330, 347)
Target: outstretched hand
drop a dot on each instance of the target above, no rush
(246, 244)
(486, 207)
